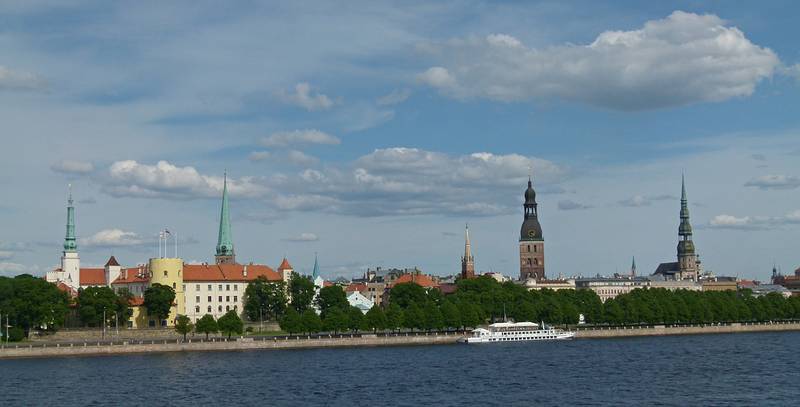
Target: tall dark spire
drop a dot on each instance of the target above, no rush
(70, 244)
(685, 228)
(225, 253)
(688, 262)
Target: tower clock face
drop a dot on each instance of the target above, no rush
(531, 233)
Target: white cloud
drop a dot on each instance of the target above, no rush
(303, 97)
(754, 222)
(112, 238)
(300, 158)
(5, 255)
(15, 80)
(299, 137)
(258, 155)
(641, 200)
(394, 97)
(303, 237)
(166, 180)
(774, 182)
(569, 205)
(13, 268)
(73, 167)
(684, 58)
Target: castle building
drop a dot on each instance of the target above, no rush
(531, 242)
(688, 266)
(467, 261)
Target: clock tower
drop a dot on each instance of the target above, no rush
(531, 242)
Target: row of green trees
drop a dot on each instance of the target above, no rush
(228, 324)
(28, 302)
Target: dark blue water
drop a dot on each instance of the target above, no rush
(740, 369)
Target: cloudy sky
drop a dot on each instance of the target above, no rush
(371, 132)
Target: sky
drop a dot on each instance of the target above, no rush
(370, 133)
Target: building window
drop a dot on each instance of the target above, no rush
(235, 298)
(209, 298)
(535, 248)
(165, 273)
(220, 308)
(220, 298)
(227, 298)
(529, 248)
(529, 262)
(209, 308)
(197, 287)
(535, 262)
(235, 287)
(197, 299)
(227, 287)
(227, 308)
(209, 287)
(174, 286)
(197, 309)
(183, 287)
(220, 287)
(235, 307)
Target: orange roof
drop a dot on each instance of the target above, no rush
(67, 289)
(93, 276)
(228, 272)
(132, 275)
(285, 265)
(421, 279)
(356, 287)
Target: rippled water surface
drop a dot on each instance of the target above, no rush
(740, 369)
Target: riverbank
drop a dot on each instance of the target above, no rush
(33, 350)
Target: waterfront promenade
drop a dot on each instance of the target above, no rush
(116, 347)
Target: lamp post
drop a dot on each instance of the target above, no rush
(104, 323)
(261, 324)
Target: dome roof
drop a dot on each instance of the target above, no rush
(530, 194)
(531, 230)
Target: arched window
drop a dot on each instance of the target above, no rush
(535, 248)
(197, 309)
(529, 248)
(173, 286)
(209, 308)
(165, 273)
(219, 308)
(529, 262)
(227, 308)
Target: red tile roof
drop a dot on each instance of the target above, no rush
(67, 289)
(285, 265)
(421, 279)
(228, 272)
(132, 275)
(112, 262)
(93, 277)
(356, 287)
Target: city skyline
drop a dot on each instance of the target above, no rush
(374, 143)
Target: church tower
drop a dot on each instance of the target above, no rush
(467, 261)
(688, 264)
(531, 242)
(70, 261)
(225, 253)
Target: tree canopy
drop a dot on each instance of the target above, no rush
(230, 324)
(158, 300)
(183, 325)
(265, 299)
(331, 297)
(301, 291)
(30, 302)
(207, 325)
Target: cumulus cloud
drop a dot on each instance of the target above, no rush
(300, 158)
(303, 97)
(166, 180)
(394, 97)
(642, 200)
(774, 182)
(258, 155)
(754, 222)
(16, 80)
(303, 237)
(112, 238)
(299, 137)
(73, 167)
(569, 205)
(682, 59)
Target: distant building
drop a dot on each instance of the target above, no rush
(764, 289)
(531, 242)
(467, 261)
(688, 265)
(610, 287)
(355, 299)
(555, 285)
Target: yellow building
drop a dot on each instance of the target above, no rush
(169, 272)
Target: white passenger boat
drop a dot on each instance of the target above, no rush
(517, 331)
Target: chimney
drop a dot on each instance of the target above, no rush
(244, 270)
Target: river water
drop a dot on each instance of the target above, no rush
(735, 369)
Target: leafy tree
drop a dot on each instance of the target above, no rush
(394, 317)
(264, 298)
(375, 318)
(301, 291)
(470, 315)
(335, 321)
(31, 302)
(15, 334)
(207, 325)
(183, 325)
(414, 318)
(230, 323)
(433, 317)
(331, 297)
(93, 302)
(158, 299)
(450, 315)
(405, 294)
(310, 321)
(354, 318)
(123, 305)
(291, 321)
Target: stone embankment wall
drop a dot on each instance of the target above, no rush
(23, 350)
(94, 334)
(686, 330)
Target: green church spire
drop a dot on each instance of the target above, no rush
(225, 239)
(70, 244)
(685, 228)
(315, 272)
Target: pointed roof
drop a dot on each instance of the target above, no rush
(315, 272)
(633, 266)
(225, 238)
(70, 243)
(685, 228)
(285, 265)
(112, 262)
(467, 246)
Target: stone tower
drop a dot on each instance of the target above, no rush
(225, 253)
(467, 261)
(531, 242)
(70, 261)
(688, 264)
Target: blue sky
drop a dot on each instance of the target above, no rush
(371, 132)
